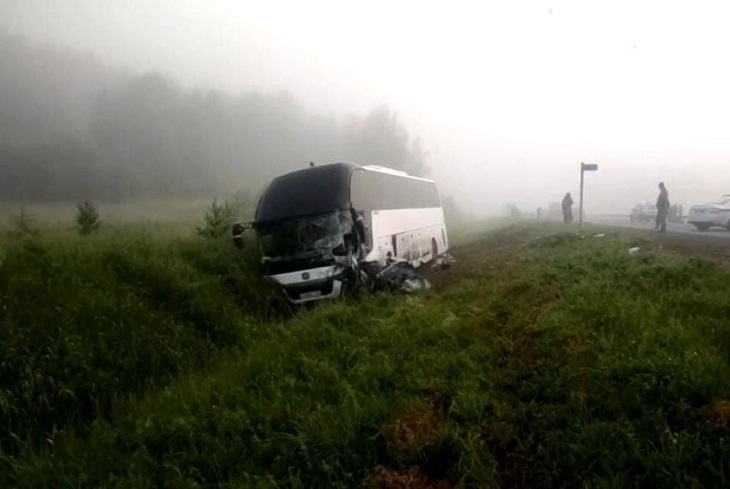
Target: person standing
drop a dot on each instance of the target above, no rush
(567, 208)
(662, 208)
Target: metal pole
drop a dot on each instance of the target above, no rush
(581, 193)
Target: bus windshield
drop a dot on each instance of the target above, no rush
(305, 237)
(310, 192)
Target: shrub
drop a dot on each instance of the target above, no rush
(218, 218)
(23, 225)
(87, 218)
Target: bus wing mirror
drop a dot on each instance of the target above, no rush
(237, 231)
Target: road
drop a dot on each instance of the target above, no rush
(714, 240)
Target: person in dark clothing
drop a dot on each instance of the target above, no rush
(662, 208)
(567, 208)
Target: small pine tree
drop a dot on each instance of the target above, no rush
(218, 218)
(87, 218)
(23, 225)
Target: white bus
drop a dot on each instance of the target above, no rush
(317, 226)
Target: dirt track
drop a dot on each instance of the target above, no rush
(494, 248)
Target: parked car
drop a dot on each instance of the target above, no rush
(644, 212)
(714, 214)
(676, 213)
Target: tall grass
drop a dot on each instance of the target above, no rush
(87, 321)
(553, 362)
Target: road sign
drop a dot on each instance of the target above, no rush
(584, 167)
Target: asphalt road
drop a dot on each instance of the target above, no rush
(715, 240)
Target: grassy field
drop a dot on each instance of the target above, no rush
(139, 359)
(181, 211)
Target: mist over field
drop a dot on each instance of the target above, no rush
(72, 128)
(500, 104)
(354, 335)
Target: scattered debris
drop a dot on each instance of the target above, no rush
(443, 262)
(597, 235)
(399, 275)
(634, 251)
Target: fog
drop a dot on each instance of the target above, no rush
(501, 100)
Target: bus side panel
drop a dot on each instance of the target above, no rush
(413, 230)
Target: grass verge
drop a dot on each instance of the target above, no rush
(542, 362)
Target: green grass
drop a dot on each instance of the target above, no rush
(85, 321)
(135, 361)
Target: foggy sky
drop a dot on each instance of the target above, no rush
(507, 97)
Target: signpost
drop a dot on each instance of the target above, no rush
(584, 167)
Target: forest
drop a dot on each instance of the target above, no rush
(72, 128)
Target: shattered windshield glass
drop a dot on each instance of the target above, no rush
(303, 237)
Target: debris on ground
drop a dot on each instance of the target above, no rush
(443, 262)
(396, 276)
(634, 251)
(401, 276)
(599, 235)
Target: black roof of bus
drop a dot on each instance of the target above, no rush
(306, 192)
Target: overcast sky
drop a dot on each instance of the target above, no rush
(508, 97)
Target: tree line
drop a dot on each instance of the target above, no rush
(72, 128)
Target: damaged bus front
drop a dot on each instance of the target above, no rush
(317, 227)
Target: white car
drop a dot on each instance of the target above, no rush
(644, 212)
(705, 216)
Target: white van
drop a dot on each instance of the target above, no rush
(317, 226)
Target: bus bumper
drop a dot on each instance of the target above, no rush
(310, 285)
